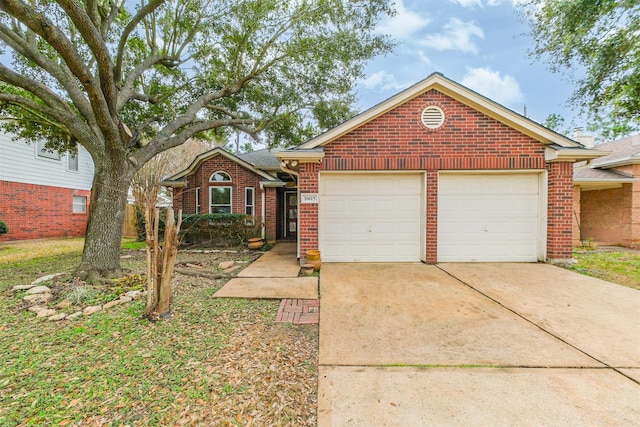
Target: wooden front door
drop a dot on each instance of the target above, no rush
(290, 215)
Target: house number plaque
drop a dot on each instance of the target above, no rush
(309, 198)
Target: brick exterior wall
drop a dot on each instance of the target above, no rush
(576, 216)
(38, 212)
(468, 140)
(241, 178)
(606, 215)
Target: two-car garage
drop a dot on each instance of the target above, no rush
(491, 216)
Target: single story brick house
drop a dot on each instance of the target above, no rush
(249, 183)
(607, 195)
(436, 173)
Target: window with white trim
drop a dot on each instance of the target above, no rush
(79, 204)
(72, 162)
(220, 200)
(43, 151)
(249, 201)
(220, 176)
(197, 200)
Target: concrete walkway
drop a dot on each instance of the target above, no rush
(476, 344)
(273, 275)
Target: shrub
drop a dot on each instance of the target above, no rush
(3, 228)
(224, 230)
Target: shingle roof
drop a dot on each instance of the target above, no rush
(586, 173)
(620, 149)
(262, 159)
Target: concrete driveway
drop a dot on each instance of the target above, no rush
(476, 344)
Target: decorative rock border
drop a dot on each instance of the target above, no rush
(40, 296)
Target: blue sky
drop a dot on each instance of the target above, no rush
(482, 44)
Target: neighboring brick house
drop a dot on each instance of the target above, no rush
(43, 194)
(436, 173)
(607, 195)
(250, 183)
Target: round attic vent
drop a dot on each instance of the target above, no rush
(432, 117)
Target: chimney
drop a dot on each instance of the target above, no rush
(583, 138)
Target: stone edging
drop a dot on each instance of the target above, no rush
(39, 296)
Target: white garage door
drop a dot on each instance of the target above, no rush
(488, 217)
(371, 217)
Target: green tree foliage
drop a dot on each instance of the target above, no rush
(597, 42)
(128, 80)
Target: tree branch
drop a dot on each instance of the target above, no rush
(94, 40)
(28, 49)
(46, 29)
(142, 13)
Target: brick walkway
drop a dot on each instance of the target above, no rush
(299, 311)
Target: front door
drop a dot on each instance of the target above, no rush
(290, 215)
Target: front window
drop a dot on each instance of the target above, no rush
(220, 200)
(197, 200)
(79, 204)
(249, 201)
(220, 177)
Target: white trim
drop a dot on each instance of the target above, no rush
(220, 172)
(230, 197)
(253, 201)
(84, 204)
(49, 155)
(572, 154)
(69, 157)
(198, 203)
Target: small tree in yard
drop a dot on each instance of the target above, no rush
(3, 228)
(128, 80)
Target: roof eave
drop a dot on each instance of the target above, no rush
(624, 161)
(302, 156)
(571, 154)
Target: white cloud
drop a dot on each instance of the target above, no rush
(503, 89)
(468, 3)
(457, 35)
(381, 81)
(404, 24)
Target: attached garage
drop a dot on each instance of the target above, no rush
(371, 217)
(491, 217)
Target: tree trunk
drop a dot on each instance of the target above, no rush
(169, 252)
(101, 254)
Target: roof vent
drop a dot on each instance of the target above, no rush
(432, 117)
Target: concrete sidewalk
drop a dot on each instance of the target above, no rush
(476, 344)
(273, 275)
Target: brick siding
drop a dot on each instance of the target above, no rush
(38, 212)
(606, 215)
(241, 178)
(468, 140)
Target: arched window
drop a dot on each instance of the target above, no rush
(220, 176)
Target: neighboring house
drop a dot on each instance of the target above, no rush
(250, 183)
(43, 194)
(607, 195)
(437, 173)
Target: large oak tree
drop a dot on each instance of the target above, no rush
(597, 43)
(128, 81)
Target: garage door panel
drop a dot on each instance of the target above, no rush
(381, 214)
(488, 217)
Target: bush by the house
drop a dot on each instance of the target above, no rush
(3, 227)
(219, 229)
(223, 230)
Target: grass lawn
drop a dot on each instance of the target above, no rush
(618, 267)
(217, 362)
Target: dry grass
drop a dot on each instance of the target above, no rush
(25, 250)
